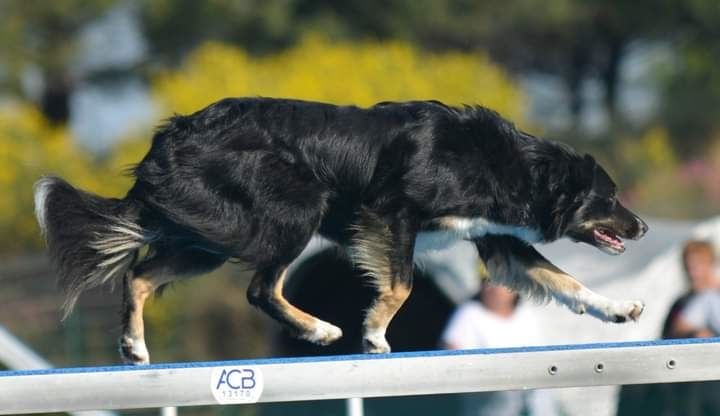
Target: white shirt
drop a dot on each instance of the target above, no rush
(703, 311)
(474, 326)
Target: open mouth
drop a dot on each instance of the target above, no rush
(608, 240)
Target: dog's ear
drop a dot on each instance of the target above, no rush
(602, 183)
(583, 173)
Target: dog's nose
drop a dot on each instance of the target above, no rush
(642, 229)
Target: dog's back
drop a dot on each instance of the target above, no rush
(340, 144)
(208, 172)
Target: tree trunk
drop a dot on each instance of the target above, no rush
(578, 65)
(55, 99)
(611, 73)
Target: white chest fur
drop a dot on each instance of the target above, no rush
(453, 229)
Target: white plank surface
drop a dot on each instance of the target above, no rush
(402, 374)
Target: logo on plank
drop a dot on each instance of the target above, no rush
(236, 385)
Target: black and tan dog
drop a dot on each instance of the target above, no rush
(254, 179)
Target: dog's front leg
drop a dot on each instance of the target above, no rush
(383, 248)
(516, 264)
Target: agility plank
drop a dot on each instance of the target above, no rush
(338, 377)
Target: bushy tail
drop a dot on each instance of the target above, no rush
(91, 239)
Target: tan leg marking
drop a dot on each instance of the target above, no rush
(379, 315)
(140, 289)
(542, 280)
(133, 349)
(371, 251)
(551, 277)
(303, 319)
(300, 323)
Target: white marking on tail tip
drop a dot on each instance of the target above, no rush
(42, 188)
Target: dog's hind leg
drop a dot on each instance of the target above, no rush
(132, 341)
(266, 292)
(142, 281)
(384, 251)
(518, 265)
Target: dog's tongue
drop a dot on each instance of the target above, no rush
(608, 238)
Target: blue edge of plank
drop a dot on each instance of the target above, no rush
(357, 357)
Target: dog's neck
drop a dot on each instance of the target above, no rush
(450, 229)
(557, 176)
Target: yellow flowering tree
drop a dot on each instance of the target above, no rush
(343, 73)
(29, 148)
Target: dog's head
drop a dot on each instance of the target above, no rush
(598, 218)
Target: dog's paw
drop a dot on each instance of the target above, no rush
(625, 311)
(324, 333)
(578, 308)
(605, 309)
(375, 343)
(133, 351)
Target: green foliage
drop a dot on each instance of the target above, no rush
(691, 99)
(574, 40)
(42, 33)
(654, 180)
(176, 27)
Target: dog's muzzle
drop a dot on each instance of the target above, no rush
(642, 229)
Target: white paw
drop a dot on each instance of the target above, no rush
(618, 312)
(374, 342)
(578, 308)
(626, 311)
(324, 333)
(133, 351)
(603, 308)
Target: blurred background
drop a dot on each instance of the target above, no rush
(83, 83)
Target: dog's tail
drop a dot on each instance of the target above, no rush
(91, 239)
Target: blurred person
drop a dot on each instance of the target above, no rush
(490, 320)
(695, 314)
